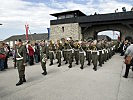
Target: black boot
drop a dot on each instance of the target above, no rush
(89, 63)
(125, 76)
(81, 67)
(44, 73)
(70, 66)
(51, 64)
(77, 63)
(100, 65)
(95, 68)
(59, 65)
(20, 82)
(24, 80)
(66, 62)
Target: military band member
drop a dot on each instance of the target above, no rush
(76, 52)
(94, 54)
(89, 53)
(51, 52)
(59, 49)
(43, 56)
(99, 48)
(69, 56)
(20, 61)
(82, 55)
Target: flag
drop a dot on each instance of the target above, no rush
(48, 33)
(27, 29)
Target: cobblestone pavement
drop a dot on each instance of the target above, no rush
(69, 84)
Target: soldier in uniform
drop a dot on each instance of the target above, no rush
(69, 55)
(99, 48)
(76, 51)
(59, 48)
(43, 56)
(20, 61)
(88, 53)
(51, 52)
(94, 54)
(82, 55)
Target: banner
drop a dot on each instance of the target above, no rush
(48, 33)
(27, 29)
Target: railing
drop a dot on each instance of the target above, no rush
(96, 18)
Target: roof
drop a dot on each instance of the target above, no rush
(39, 36)
(69, 12)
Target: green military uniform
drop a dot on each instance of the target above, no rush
(20, 60)
(94, 57)
(69, 55)
(76, 52)
(99, 48)
(43, 58)
(81, 56)
(58, 55)
(89, 55)
(47, 51)
(51, 53)
(65, 53)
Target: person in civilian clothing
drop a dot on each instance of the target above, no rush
(7, 51)
(2, 56)
(30, 51)
(129, 52)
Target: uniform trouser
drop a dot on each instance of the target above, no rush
(64, 52)
(82, 58)
(94, 59)
(105, 54)
(59, 56)
(89, 57)
(127, 70)
(21, 68)
(51, 56)
(76, 55)
(47, 54)
(86, 55)
(69, 56)
(100, 58)
(43, 64)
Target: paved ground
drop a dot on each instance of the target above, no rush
(69, 84)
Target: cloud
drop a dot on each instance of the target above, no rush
(15, 13)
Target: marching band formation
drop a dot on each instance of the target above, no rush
(70, 51)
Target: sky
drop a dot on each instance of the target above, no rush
(14, 14)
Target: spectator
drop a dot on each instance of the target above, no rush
(37, 52)
(30, 51)
(7, 51)
(2, 57)
(128, 53)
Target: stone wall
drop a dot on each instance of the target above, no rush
(65, 30)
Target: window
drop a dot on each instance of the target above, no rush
(69, 16)
(61, 17)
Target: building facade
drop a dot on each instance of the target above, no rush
(65, 30)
